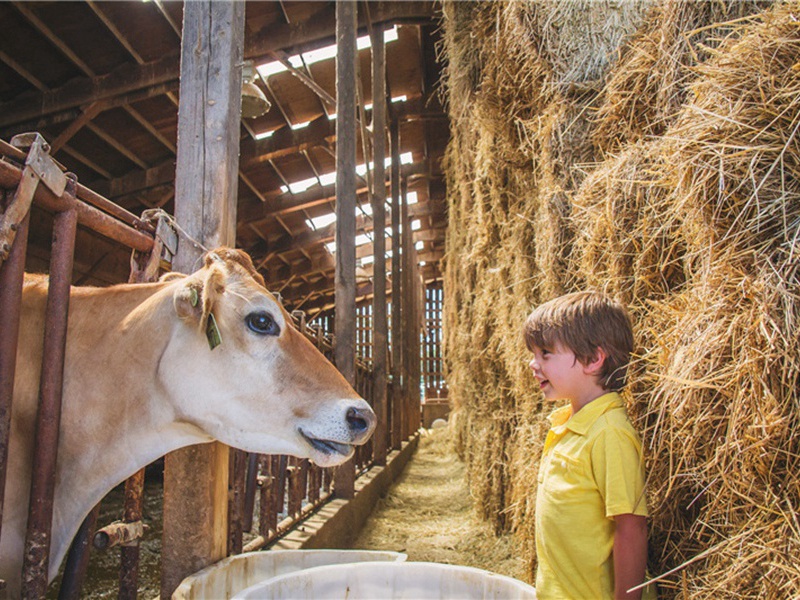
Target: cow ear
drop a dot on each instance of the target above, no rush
(188, 300)
(197, 297)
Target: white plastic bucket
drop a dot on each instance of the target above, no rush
(230, 575)
(408, 580)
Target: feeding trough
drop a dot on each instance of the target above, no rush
(368, 581)
(235, 573)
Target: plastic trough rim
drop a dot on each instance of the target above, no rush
(521, 585)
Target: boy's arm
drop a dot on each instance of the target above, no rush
(630, 555)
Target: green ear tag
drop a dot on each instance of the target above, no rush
(193, 298)
(212, 332)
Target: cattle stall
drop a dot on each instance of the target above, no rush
(289, 489)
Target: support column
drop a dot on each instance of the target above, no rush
(196, 478)
(345, 351)
(379, 319)
(397, 293)
(407, 242)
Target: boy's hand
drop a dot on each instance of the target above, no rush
(630, 555)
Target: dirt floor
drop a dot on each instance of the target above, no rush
(428, 514)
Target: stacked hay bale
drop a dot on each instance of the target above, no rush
(669, 179)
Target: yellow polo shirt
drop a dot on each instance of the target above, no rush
(591, 470)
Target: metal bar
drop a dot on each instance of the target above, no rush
(37, 542)
(11, 276)
(113, 209)
(250, 491)
(129, 553)
(285, 525)
(89, 216)
(78, 559)
(238, 472)
(266, 514)
(296, 493)
(279, 466)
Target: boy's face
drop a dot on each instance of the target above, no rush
(561, 376)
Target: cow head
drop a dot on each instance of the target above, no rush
(237, 368)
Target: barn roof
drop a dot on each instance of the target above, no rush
(100, 81)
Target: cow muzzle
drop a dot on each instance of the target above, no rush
(333, 436)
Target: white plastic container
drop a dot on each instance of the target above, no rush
(230, 575)
(406, 580)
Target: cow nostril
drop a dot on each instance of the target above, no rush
(357, 420)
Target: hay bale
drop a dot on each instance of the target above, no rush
(625, 246)
(648, 85)
(722, 437)
(734, 152)
(580, 38)
(682, 198)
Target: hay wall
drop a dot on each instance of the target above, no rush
(667, 174)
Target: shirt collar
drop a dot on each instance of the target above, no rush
(562, 418)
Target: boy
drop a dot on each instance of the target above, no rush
(591, 515)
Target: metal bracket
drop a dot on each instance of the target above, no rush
(39, 160)
(39, 166)
(165, 246)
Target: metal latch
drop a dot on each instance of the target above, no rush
(39, 166)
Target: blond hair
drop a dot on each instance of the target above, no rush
(584, 322)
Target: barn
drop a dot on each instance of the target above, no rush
(496, 155)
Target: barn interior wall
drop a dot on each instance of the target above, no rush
(665, 174)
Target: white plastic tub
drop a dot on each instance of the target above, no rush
(407, 580)
(230, 575)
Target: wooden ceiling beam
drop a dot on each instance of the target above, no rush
(161, 75)
(288, 202)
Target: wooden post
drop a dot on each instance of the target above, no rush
(397, 288)
(379, 320)
(196, 478)
(407, 244)
(345, 352)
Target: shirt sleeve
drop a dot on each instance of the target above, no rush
(618, 469)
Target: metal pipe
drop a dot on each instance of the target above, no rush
(118, 534)
(87, 215)
(37, 542)
(78, 559)
(113, 209)
(11, 276)
(250, 491)
(129, 553)
(285, 525)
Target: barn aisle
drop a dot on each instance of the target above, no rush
(428, 514)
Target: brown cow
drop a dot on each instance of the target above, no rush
(141, 380)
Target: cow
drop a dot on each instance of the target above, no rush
(154, 367)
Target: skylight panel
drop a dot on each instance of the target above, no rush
(321, 221)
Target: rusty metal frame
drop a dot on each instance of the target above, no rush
(308, 486)
(71, 204)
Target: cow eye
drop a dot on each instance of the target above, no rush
(262, 323)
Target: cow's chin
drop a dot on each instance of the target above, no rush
(327, 453)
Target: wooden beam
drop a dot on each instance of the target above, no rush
(379, 307)
(345, 350)
(196, 478)
(397, 285)
(314, 196)
(326, 234)
(154, 77)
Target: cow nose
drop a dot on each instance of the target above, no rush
(360, 420)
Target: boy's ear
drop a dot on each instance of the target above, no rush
(594, 366)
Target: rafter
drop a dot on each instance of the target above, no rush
(151, 78)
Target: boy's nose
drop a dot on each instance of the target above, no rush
(533, 365)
